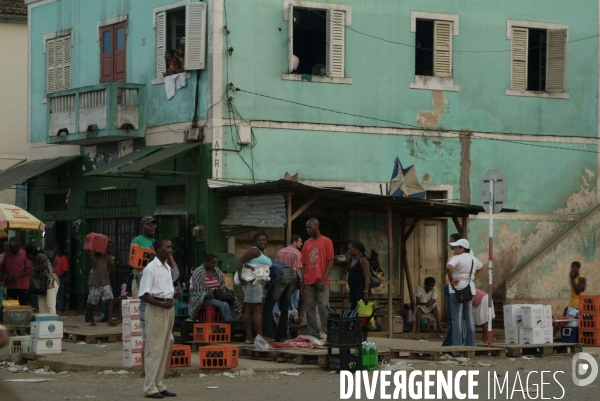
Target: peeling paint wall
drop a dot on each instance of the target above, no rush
(430, 118)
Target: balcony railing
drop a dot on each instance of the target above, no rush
(99, 113)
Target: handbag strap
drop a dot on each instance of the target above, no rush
(470, 272)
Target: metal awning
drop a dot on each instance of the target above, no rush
(141, 160)
(34, 168)
(245, 213)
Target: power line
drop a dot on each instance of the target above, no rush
(411, 125)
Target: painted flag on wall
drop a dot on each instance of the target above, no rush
(405, 182)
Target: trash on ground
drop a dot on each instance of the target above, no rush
(246, 372)
(461, 359)
(100, 345)
(212, 387)
(400, 365)
(81, 343)
(201, 375)
(484, 364)
(110, 372)
(227, 374)
(446, 357)
(291, 373)
(28, 380)
(261, 344)
(527, 358)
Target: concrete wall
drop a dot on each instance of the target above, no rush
(13, 102)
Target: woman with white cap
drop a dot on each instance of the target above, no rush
(462, 270)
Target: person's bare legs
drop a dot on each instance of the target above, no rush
(417, 322)
(438, 319)
(484, 337)
(257, 311)
(91, 309)
(248, 317)
(112, 305)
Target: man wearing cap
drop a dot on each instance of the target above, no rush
(462, 270)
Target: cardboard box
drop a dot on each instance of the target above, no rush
(46, 329)
(45, 345)
(547, 315)
(533, 316)
(511, 335)
(133, 343)
(513, 315)
(131, 308)
(538, 335)
(397, 324)
(132, 359)
(132, 327)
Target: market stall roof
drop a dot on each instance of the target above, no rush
(142, 159)
(352, 200)
(25, 171)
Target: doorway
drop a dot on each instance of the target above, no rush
(113, 49)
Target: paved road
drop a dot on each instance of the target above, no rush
(317, 385)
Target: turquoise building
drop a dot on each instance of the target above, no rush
(332, 92)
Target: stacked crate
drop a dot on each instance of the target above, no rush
(528, 324)
(182, 328)
(212, 332)
(589, 320)
(46, 333)
(132, 334)
(344, 335)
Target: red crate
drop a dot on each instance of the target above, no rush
(589, 321)
(591, 338)
(209, 314)
(181, 356)
(219, 356)
(140, 257)
(96, 243)
(589, 303)
(212, 333)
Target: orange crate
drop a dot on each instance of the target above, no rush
(212, 333)
(591, 338)
(589, 304)
(140, 257)
(219, 357)
(209, 314)
(181, 356)
(589, 321)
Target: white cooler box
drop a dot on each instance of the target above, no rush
(46, 345)
(47, 329)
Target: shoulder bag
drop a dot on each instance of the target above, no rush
(376, 276)
(224, 296)
(38, 283)
(464, 295)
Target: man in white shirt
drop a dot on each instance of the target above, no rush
(156, 289)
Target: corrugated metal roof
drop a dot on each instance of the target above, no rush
(155, 158)
(28, 170)
(124, 161)
(248, 212)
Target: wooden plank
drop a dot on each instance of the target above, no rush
(558, 349)
(435, 354)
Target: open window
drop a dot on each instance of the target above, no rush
(538, 59)
(317, 40)
(181, 27)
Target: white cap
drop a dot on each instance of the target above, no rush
(461, 242)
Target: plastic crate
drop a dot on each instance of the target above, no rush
(238, 332)
(182, 331)
(181, 308)
(140, 257)
(344, 331)
(212, 333)
(589, 304)
(589, 321)
(209, 314)
(219, 356)
(95, 242)
(591, 338)
(19, 344)
(181, 356)
(347, 358)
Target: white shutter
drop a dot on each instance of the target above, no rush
(291, 39)
(161, 40)
(336, 30)
(50, 66)
(442, 49)
(556, 60)
(66, 63)
(520, 39)
(195, 36)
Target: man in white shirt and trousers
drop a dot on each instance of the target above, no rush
(156, 289)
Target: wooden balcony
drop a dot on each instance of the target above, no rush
(95, 114)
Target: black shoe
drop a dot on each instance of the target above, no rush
(167, 393)
(157, 396)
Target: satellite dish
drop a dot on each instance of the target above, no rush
(319, 69)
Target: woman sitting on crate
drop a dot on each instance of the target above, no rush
(207, 287)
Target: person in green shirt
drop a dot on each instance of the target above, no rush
(146, 240)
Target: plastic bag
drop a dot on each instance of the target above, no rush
(310, 339)
(367, 310)
(261, 343)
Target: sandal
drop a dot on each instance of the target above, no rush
(173, 373)
(269, 340)
(249, 342)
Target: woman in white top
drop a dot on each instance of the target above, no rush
(462, 270)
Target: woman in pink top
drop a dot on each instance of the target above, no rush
(481, 311)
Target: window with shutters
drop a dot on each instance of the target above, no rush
(317, 41)
(538, 59)
(181, 28)
(433, 50)
(58, 63)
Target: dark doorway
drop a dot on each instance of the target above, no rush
(424, 47)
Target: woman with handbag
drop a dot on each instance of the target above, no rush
(208, 280)
(359, 277)
(44, 282)
(462, 270)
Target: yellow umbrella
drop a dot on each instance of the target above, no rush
(13, 217)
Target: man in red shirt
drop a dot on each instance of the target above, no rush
(61, 269)
(317, 262)
(18, 269)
